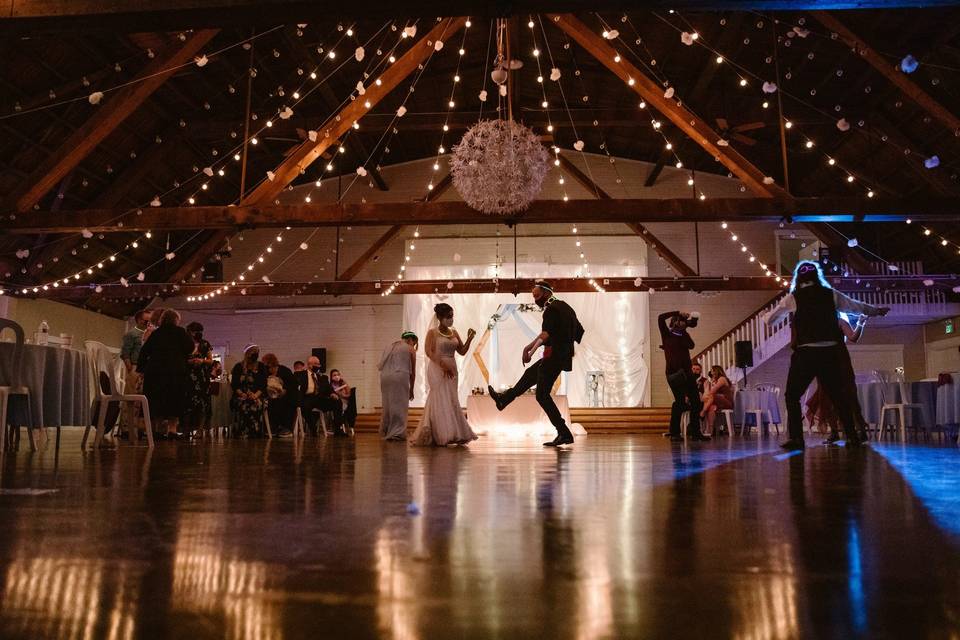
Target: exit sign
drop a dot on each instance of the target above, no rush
(948, 326)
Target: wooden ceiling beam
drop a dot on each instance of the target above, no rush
(689, 123)
(106, 119)
(890, 71)
(353, 270)
(115, 292)
(156, 15)
(231, 218)
(328, 134)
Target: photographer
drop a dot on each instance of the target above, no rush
(676, 344)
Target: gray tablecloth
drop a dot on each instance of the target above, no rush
(948, 403)
(221, 406)
(749, 399)
(59, 383)
(873, 395)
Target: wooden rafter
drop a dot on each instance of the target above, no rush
(800, 210)
(689, 123)
(308, 151)
(651, 240)
(862, 284)
(351, 272)
(913, 91)
(672, 259)
(439, 189)
(106, 119)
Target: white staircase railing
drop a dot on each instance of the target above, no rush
(768, 341)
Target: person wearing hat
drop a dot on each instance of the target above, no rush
(560, 330)
(676, 344)
(820, 351)
(249, 383)
(398, 373)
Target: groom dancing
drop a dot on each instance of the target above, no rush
(560, 330)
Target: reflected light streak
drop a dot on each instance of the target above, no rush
(767, 602)
(207, 581)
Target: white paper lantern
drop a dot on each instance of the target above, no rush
(498, 167)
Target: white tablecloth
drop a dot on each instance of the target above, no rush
(749, 399)
(873, 395)
(523, 417)
(59, 382)
(948, 403)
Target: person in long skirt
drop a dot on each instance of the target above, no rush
(398, 371)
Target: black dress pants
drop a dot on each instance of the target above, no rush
(830, 365)
(686, 397)
(324, 405)
(543, 375)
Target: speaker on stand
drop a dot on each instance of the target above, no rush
(743, 350)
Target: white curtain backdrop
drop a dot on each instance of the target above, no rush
(616, 324)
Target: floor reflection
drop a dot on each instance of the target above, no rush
(619, 537)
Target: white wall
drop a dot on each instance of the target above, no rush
(81, 324)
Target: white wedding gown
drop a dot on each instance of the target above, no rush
(443, 421)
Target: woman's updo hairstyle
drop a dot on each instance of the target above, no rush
(443, 310)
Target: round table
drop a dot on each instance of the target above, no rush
(59, 382)
(751, 399)
(873, 395)
(948, 403)
(220, 402)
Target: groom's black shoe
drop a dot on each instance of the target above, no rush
(566, 438)
(497, 398)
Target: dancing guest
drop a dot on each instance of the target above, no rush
(820, 352)
(676, 344)
(199, 404)
(820, 410)
(443, 422)
(283, 396)
(249, 383)
(398, 374)
(133, 382)
(163, 360)
(559, 331)
(717, 396)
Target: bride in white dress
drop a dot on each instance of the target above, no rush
(443, 422)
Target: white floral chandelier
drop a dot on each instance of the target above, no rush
(498, 167)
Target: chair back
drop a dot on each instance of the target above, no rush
(766, 386)
(16, 371)
(881, 376)
(106, 367)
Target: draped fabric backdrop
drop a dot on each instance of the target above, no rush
(616, 324)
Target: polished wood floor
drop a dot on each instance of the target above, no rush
(619, 537)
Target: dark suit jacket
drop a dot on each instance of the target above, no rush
(324, 388)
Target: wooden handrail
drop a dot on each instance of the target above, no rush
(703, 351)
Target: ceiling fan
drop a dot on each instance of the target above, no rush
(736, 133)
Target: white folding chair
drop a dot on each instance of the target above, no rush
(15, 388)
(899, 411)
(266, 422)
(684, 422)
(298, 425)
(109, 383)
(728, 420)
(761, 413)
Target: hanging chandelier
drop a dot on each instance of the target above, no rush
(499, 165)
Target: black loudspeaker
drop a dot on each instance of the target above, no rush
(321, 355)
(744, 352)
(213, 271)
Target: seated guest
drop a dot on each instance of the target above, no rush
(317, 395)
(697, 369)
(718, 395)
(299, 366)
(216, 371)
(340, 386)
(283, 396)
(249, 383)
(163, 361)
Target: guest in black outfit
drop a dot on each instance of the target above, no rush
(317, 395)
(820, 351)
(560, 330)
(163, 361)
(249, 383)
(697, 369)
(676, 344)
(199, 404)
(283, 396)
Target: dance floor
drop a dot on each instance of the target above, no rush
(619, 537)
